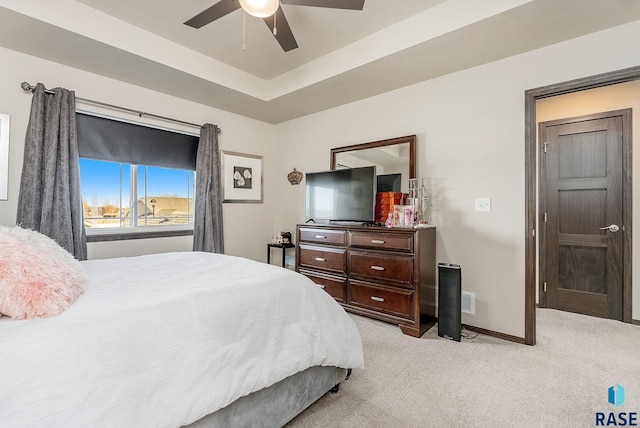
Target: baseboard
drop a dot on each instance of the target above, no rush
(496, 334)
(636, 322)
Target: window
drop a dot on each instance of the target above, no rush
(117, 195)
(134, 178)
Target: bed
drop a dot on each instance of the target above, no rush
(177, 339)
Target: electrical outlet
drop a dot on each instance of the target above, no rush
(483, 204)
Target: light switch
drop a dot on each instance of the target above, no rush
(483, 204)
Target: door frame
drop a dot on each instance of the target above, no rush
(531, 189)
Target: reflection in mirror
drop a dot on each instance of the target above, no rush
(394, 160)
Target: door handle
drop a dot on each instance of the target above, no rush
(611, 228)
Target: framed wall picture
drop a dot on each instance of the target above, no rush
(4, 156)
(241, 177)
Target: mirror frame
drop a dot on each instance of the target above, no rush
(411, 139)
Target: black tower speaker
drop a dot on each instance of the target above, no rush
(449, 301)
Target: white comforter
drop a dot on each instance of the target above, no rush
(162, 340)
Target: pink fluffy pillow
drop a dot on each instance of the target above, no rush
(38, 278)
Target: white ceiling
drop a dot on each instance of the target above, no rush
(343, 55)
(318, 31)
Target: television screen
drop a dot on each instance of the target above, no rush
(341, 195)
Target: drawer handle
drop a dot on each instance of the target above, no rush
(320, 259)
(377, 268)
(320, 237)
(377, 299)
(377, 241)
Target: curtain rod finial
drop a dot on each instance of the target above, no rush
(26, 86)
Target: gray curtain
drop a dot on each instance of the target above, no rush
(207, 223)
(50, 200)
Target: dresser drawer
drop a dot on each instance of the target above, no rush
(386, 241)
(382, 266)
(323, 236)
(331, 259)
(394, 301)
(336, 287)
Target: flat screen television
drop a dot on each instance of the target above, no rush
(341, 195)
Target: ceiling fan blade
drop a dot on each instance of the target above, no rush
(334, 4)
(283, 33)
(218, 10)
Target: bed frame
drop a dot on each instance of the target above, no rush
(278, 404)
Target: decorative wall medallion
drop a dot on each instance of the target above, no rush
(295, 177)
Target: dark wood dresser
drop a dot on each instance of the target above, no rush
(383, 273)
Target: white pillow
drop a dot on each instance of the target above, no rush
(38, 278)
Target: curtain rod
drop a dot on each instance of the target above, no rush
(28, 87)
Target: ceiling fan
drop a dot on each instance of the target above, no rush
(271, 12)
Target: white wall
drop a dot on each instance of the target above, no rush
(608, 98)
(247, 227)
(470, 131)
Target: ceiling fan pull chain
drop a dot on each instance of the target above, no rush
(244, 30)
(275, 29)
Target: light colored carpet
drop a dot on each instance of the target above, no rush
(486, 382)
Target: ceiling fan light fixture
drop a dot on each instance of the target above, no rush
(260, 8)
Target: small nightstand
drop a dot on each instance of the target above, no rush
(283, 247)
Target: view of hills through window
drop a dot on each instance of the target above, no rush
(130, 196)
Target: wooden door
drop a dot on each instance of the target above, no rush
(582, 205)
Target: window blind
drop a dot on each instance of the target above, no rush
(111, 140)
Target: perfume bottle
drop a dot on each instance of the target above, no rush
(409, 211)
(389, 222)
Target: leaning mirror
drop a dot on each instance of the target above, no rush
(395, 161)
